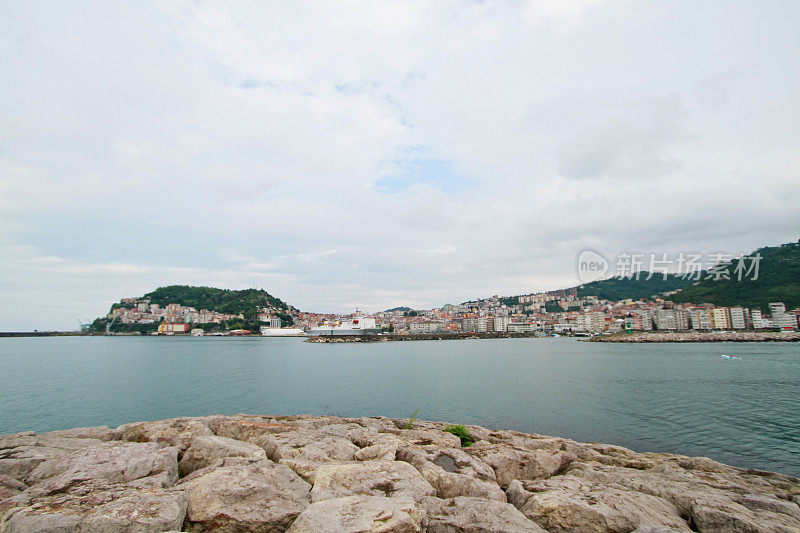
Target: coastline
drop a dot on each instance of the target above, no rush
(326, 473)
(417, 337)
(696, 336)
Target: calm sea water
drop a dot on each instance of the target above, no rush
(678, 398)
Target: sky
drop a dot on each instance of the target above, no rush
(377, 154)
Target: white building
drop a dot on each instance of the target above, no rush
(501, 323)
(672, 319)
(780, 318)
(700, 318)
(739, 317)
(425, 327)
(521, 327)
(594, 321)
(759, 322)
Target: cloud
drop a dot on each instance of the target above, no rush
(379, 154)
(633, 141)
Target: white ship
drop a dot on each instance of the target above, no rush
(267, 331)
(358, 325)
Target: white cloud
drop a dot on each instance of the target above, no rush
(237, 145)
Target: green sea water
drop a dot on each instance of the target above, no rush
(677, 398)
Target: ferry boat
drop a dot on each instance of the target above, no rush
(358, 325)
(267, 331)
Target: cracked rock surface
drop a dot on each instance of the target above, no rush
(307, 473)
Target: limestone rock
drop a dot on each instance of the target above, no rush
(654, 529)
(566, 503)
(174, 432)
(511, 463)
(376, 478)
(720, 501)
(103, 433)
(112, 462)
(21, 453)
(204, 449)
(25, 520)
(103, 509)
(438, 438)
(453, 473)
(244, 495)
(356, 514)
(142, 511)
(10, 486)
(246, 473)
(474, 515)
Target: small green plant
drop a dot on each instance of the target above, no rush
(410, 422)
(460, 432)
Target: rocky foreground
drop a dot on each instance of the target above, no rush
(318, 474)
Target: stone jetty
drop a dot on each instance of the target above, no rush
(329, 474)
(700, 336)
(417, 337)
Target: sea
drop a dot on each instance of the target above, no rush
(675, 398)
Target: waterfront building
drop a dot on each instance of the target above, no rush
(720, 318)
(593, 321)
(739, 317)
(501, 323)
(700, 318)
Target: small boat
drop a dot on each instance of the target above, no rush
(724, 356)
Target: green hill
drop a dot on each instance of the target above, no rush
(778, 281)
(622, 288)
(246, 302)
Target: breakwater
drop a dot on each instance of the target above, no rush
(418, 337)
(700, 336)
(312, 473)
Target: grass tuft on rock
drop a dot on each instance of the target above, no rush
(460, 432)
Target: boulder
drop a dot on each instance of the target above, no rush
(453, 473)
(567, 503)
(206, 448)
(111, 462)
(244, 495)
(434, 437)
(103, 433)
(375, 478)
(10, 486)
(357, 514)
(722, 501)
(654, 529)
(474, 515)
(518, 463)
(102, 509)
(25, 520)
(305, 450)
(174, 432)
(142, 511)
(21, 453)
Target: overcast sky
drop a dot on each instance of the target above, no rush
(367, 154)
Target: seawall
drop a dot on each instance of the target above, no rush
(700, 336)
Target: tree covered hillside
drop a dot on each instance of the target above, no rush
(622, 288)
(246, 302)
(778, 281)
